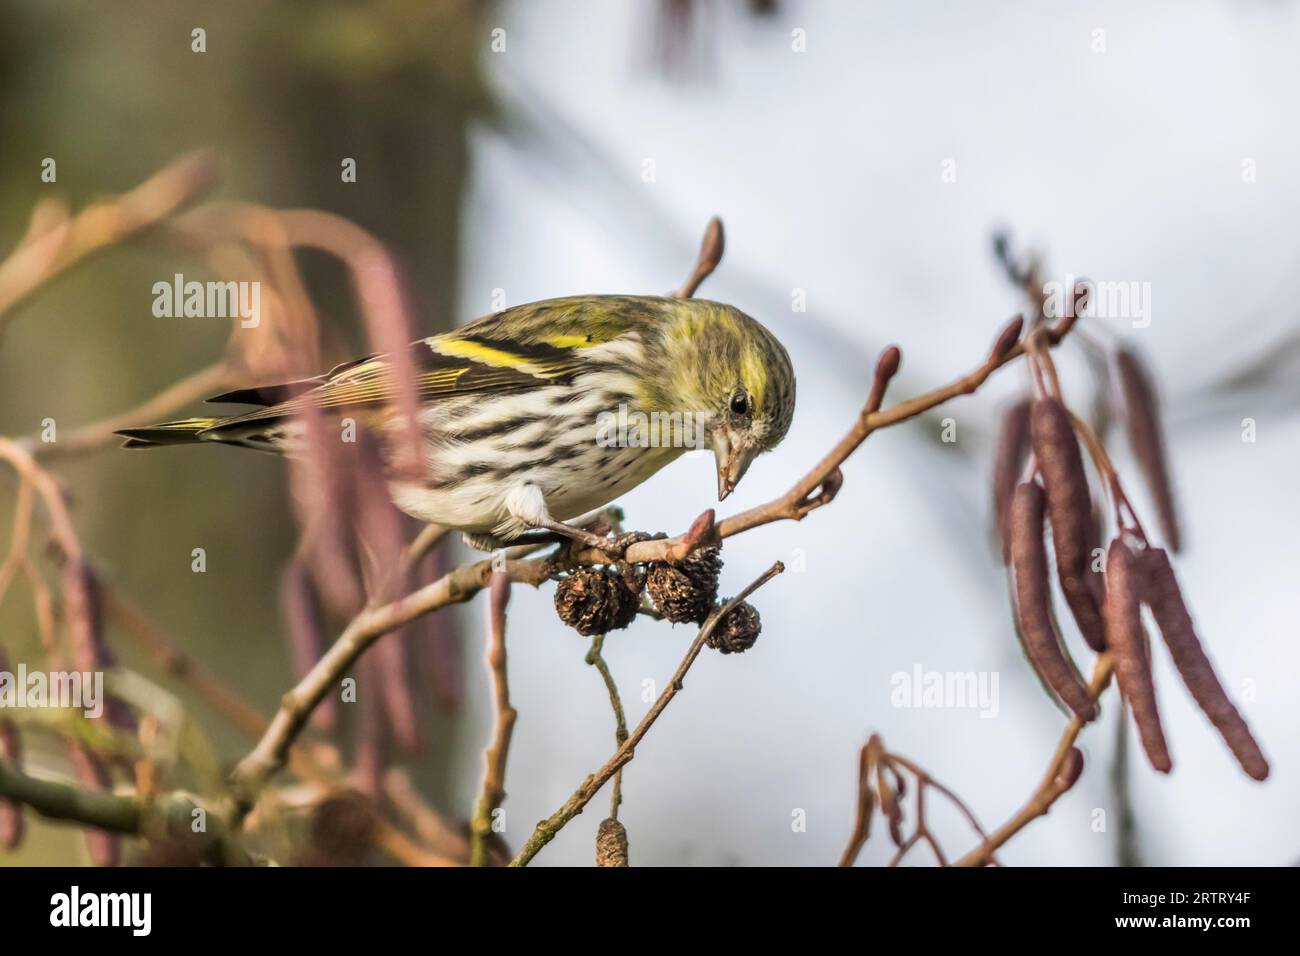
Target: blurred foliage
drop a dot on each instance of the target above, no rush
(284, 92)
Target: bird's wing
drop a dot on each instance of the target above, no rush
(498, 353)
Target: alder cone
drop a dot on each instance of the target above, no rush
(1051, 435)
(594, 601)
(1162, 594)
(1033, 605)
(1127, 641)
(737, 631)
(611, 843)
(686, 592)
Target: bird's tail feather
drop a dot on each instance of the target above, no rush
(187, 431)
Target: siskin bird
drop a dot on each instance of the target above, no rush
(543, 412)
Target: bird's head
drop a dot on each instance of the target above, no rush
(732, 371)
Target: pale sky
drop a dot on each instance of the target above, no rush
(1123, 163)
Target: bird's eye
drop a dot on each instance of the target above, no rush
(740, 402)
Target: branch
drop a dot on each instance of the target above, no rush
(202, 384)
(168, 817)
(814, 490)
(597, 660)
(237, 711)
(1055, 782)
(820, 485)
(868, 758)
(548, 828)
(875, 762)
(296, 706)
(711, 247)
(52, 247)
(494, 775)
(51, 495)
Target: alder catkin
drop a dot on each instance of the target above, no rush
(11, 812)
(1163, 596)
(1033, 605)
(1051, 435)
(83, 610)
(1008, 460)
(1127, 641)
(11, 753)
(305, 634)
(1146, 438)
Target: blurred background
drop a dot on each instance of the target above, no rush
(862, 157)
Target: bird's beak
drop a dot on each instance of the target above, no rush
(733, 462)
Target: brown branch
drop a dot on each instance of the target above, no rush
(1056, 781)
(711, 248)
(237, 711)
(405, 850)
(88, 438)
(819, 486)
(53, 247)
(596, 659)
(435, 832)
(868, 758)
(815, 490)
(875, 762)
(50, 494)
(165, 817)
(429, 537)
(494, 759)
(548, 828)
(455, 587)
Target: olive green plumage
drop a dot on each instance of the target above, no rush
(516, 407)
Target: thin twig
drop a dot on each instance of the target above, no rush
(711, 247)
(237, 711)
(597, 660)
(924, 780)
(816, 489)
(49, 251)
(868, 758)
(1128, 850)
(296, 706)
(163, 817)
(1052, 786)
(548, 828)
(494, 759)
(202, 384)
